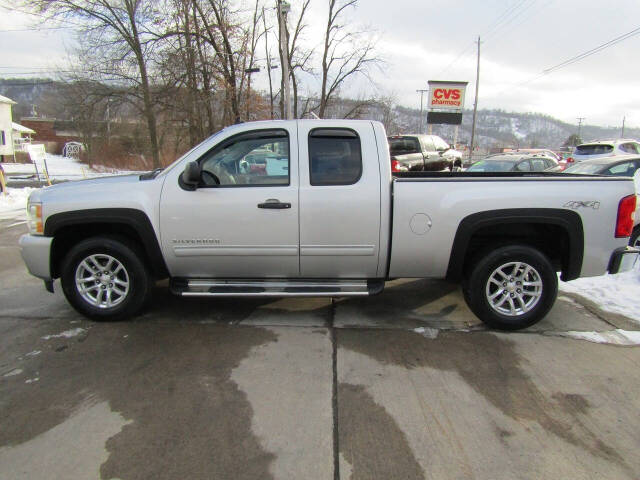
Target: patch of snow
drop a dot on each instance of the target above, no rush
(14, 372)
(13, 205)
(611, 337)
(612, 293)
(62, 168)
(32, 380)
(427, 332)
(66, 334)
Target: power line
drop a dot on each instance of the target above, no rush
(35, 29)
(507, 17)
(455, 60)
(492, 28)
(526, 17)
(576, 59)
(593, 51)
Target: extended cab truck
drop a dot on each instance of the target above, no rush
(323, 218)
(422, 153)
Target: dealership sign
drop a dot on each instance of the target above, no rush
(446, 95)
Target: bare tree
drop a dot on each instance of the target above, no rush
(345, 53)
(117, 29)
(268, 60)
(299, 57)
(254, 36)
(223, 33)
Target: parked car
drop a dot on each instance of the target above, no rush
(418, 153)
(539, 151)
(619, 166)
(515, 162)
(335, 224)
(604, 148)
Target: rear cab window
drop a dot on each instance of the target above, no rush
(335, 156)
(594, 149)
(403, 145)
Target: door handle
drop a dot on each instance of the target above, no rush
(274, 203)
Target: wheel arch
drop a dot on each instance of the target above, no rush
(556, 232)
(69, 228)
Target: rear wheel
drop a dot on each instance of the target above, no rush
(105, 279)
(512, 287)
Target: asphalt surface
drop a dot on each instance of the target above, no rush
(308, 388)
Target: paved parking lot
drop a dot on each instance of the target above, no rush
(406, 385)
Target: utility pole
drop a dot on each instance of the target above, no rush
(580, 120)
(622, 134)
(475, 103)
(283, 10)
(421, 92)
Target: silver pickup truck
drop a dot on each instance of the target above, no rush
(309, 208)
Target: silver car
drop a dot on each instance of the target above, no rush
(604, 148)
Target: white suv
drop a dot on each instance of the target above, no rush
(604, 148)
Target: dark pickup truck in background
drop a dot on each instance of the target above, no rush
(422, 153)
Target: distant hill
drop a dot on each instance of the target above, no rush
(495, 128)
(498, 128)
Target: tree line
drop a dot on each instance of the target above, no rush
(184, 68)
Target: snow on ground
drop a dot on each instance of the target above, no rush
(14, 204)
(60, 168)
(612, 337)
(66, 334)
(613, 293)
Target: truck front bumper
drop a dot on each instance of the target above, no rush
(36, 253)
(623, 259)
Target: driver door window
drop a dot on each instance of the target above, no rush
(259, 158)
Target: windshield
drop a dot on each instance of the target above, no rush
(492, 166)
(584, 168)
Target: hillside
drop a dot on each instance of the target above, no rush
(509, 129)
(495, 128)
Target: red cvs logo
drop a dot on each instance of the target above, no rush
(447, 93)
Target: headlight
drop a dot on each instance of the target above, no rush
(34, 219)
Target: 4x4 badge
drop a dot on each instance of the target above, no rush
(575, 204)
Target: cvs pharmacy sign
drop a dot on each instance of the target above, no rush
(446, 95)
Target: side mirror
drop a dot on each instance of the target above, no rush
(190, 177)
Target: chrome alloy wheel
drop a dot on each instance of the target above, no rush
(514, 289)
(102, 281)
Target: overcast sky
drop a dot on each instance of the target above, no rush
(423, 40)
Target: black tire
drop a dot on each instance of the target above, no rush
(480, 273)
(633, 241)
(139, 278)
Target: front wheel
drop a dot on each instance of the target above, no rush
(105, 279)
(512, 287)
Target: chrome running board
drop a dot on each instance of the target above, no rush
(274, 288)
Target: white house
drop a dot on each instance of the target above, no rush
(13, 136)
(21, 136)
(6, 128)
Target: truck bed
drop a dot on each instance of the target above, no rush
(429, 207)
